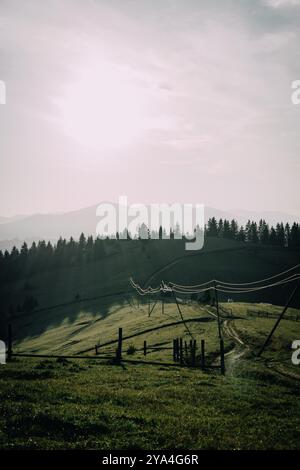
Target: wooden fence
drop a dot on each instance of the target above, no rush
(266, 314)
(183, 353)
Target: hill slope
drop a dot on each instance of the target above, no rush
(104, 285)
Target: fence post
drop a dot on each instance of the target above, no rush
(194, 353)
(174, 350)
(96, 349)
(222, 357)
(181, 351)
(9, 343)
(119, 349)
(203, 353)
(145, 348)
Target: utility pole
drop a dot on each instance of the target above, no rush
(279, 319)
(180, 313)
(218, 313)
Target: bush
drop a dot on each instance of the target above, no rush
(131, 350)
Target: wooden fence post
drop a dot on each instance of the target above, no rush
(203, 353)
(181, 351)
(222, 357)
(145, 348)
(174, 350)
(186, 350)
(194, 353)
(9, 343)
(96, 349)
(119, 349)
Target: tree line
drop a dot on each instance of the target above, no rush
(42, 255)
(253, 232)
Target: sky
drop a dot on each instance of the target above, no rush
(170, 101)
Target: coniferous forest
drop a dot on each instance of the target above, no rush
(44, 255)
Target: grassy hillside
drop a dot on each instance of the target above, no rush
(46, 403)
(104, 286)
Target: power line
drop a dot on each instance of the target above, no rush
(196, 286)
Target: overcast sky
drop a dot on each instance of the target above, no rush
(162, 101)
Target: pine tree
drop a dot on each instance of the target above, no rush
(295, 236)
(272, 237)
(212, 227)
(220, 228)
(287, 235)
(248, 231)
(24, 251)
(160, 232)
(264, 233)
(82, 243)
(226, 229)
(241, 236)
(280, 236)
(233, 229)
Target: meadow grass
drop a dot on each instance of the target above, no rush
(88, 404)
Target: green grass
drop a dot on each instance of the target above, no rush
(48, 405)
(88, 404)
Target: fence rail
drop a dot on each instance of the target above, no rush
(266, 314)
(184, 353)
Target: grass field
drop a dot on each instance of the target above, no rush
(93, 403)
(49, 403)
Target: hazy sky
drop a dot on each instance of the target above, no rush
(170, 100)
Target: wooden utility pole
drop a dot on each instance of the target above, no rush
(152, 308)
(181, 351)
(194, 348)
(222, 357)
(181, 316)
(279, 319)
(177, 357)
(119, 350)
(203, 353)
(218, 313)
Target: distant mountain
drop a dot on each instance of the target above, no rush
(6, 220)
(15, 230)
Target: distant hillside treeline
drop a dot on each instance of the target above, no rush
(42, 256)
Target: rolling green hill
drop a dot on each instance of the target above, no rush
(92, 404)
(103, 286)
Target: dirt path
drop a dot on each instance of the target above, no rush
(239, 349)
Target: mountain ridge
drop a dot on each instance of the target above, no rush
(15, 230)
